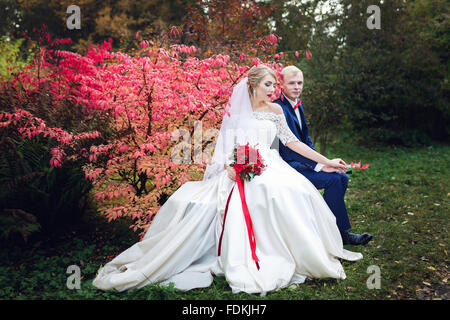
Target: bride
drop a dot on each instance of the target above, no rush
(295, 231)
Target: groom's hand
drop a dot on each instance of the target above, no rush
(330, 169)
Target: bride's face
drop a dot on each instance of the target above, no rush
(265, 88)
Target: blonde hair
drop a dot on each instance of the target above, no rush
(256, 74)
(289, 70)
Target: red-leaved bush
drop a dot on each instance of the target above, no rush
(143, 100)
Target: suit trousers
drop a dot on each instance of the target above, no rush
(335, 186)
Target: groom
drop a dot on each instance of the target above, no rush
(322, 177)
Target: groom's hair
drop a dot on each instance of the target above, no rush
(288, 70)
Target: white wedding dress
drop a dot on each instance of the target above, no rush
(296, 233)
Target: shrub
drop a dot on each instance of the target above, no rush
(34, 195)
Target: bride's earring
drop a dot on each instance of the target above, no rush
(254, 93)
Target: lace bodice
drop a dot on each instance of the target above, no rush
(283, 132)
(260, 133)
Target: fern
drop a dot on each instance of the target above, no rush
(17, 221)
(54, 196)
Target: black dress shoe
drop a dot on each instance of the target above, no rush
(355, 239)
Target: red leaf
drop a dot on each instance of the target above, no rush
(272, 38)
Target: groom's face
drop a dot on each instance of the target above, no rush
(292, 85)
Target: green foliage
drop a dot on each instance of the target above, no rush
(294, 22)
(394, 79)
(55, 196)
(16, 221)
(432, 25)
(10, 56)
(322, 91)
(119, 20)
(9, 15)
(390, 77)
(384, 136)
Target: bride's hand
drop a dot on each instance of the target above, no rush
(231, 173)
(338, 164)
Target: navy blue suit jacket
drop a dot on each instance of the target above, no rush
(293, 158)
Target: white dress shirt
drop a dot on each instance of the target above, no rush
(318, 166)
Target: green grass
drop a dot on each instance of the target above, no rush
(402, 199)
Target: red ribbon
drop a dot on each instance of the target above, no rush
(248, 219)
(297, 104)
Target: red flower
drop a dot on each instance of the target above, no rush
(358, 166)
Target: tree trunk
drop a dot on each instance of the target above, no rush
(323, 144)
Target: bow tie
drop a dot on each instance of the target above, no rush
(297, 104)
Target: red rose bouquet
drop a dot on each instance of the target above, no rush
(247, 162)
